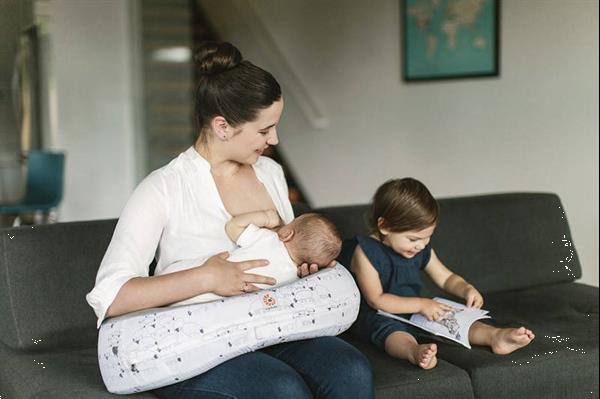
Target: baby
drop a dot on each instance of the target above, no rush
(310, 238)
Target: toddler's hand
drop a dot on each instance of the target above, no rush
(433, 310)
(473, 298)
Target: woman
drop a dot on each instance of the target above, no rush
(179, 212)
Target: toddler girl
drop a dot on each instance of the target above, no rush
(387, 265)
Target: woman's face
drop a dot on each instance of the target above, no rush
(256, 136)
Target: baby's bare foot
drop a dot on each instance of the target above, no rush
(508, 340)
(424, 356)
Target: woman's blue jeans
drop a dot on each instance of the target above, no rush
(325, 367)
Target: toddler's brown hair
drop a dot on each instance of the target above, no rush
(403, 205)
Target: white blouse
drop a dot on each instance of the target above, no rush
(175, 213)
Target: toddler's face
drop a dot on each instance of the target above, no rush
(408, 243)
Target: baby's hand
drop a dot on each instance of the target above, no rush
(473, 298)
(433, 310)
(273, 219)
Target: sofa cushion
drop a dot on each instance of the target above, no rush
(300, 208)
(396, 379)
(64, 375)
(562, 360)
(525, 235)
(43, 282)
(350, 220)
(507, 241)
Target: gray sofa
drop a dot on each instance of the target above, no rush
(516, 248)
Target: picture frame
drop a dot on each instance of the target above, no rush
(448, 39)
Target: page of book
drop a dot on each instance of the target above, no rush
(453, 325)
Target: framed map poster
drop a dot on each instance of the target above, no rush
(450, 39)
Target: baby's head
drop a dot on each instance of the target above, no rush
(404, 215)
(311, 238)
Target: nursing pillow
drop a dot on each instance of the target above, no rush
(162, 346)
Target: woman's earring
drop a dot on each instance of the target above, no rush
(224, 137)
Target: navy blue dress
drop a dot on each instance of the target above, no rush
(398, 275)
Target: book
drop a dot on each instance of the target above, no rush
(454, 325)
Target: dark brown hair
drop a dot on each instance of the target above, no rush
(404, 205)
(318, 239)
(230, 86)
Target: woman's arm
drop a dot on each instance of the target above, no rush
(451, 282)
(122, 284)
(133, 245)
(216, 275)
(370, 286)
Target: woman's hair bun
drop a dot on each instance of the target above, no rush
(215, 57)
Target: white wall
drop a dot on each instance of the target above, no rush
(533, 129)
(91, 113)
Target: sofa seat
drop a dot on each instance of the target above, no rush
(561, 362)
(57, 375)
(396, 379)
(513, 247)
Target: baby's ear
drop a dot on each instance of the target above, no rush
(285, 234)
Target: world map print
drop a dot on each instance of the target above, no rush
(449, 37)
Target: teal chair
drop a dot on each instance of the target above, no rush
(44, 185)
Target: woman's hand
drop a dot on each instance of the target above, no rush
(473, 298)
(304, 269)
(227, 278)
(433, 310)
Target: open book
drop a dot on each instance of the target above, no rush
(454, 325)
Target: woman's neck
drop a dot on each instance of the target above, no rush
(220, 164)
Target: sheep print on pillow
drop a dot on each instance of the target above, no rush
(162, 346)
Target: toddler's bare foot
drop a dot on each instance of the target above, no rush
(424, 356)
(508, 340)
